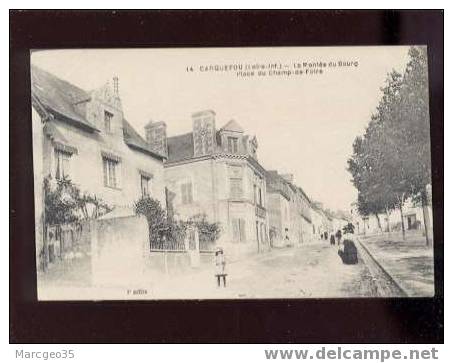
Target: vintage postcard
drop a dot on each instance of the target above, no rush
(232, 173)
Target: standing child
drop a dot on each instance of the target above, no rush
(220, 263)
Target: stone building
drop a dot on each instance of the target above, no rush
(413, 219)
(320, 220)
(83, 136)
(289, 210)
(278, 201)
(216, 173)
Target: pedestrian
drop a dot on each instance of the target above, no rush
(338, 235)
(220, 263)
(332, 240)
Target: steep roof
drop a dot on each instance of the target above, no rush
(61, 97)
(232, 125)
(135, 141)
(180, 147)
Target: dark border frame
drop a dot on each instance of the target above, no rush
(409, 320)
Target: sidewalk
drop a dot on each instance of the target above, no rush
(408, 261)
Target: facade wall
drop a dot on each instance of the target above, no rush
(86, 167)
(275, 213)
(278, 208)
(370, 225)
(289, 211)
(211, 195)
(319, 222)
(38, 144)
(200, 175)
(301, 229)
(120, 248)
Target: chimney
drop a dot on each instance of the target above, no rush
(204, 132)
(115, 86)
(156, 136)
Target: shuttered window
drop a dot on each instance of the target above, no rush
(236, 190)
(62, 164)
(233, 145)
(108, 121)
(238, 228)
(110, 169)
(145, 182)
(186, 193)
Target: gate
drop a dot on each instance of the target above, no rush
(62, 240)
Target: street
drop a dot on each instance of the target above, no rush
(312, 270)
(309, 271)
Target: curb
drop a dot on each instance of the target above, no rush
(396, 283)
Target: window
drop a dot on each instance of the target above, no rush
(236, 188)
(108, 121)
(233, 145)
(260, 197)
(254, 194)
(61, 164)
(186, 193)
(144, 185)
(110, 167)
(238, 226)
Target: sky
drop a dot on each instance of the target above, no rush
(305, 124)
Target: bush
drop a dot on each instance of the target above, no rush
(349, 228)
(165, 231)
(208, 232)
(155, 215)
(64, 203)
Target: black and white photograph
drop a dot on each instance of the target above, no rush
(232, 173)
(235, 179)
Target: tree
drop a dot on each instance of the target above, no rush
(406, 126)
(156, 217)
(65, 204)
(392, 161)
(377, 173)
(415, 131)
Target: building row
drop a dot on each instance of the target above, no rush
(410, 217)
(85, 137)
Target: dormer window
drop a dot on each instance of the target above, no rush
(108, 121)
(232, 145)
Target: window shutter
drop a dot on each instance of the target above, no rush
(104, 165)
(57, 164)
(242, 230)
(236, 187)
(189, 193)
(235, 227)
(65, 164)
(183, 194)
